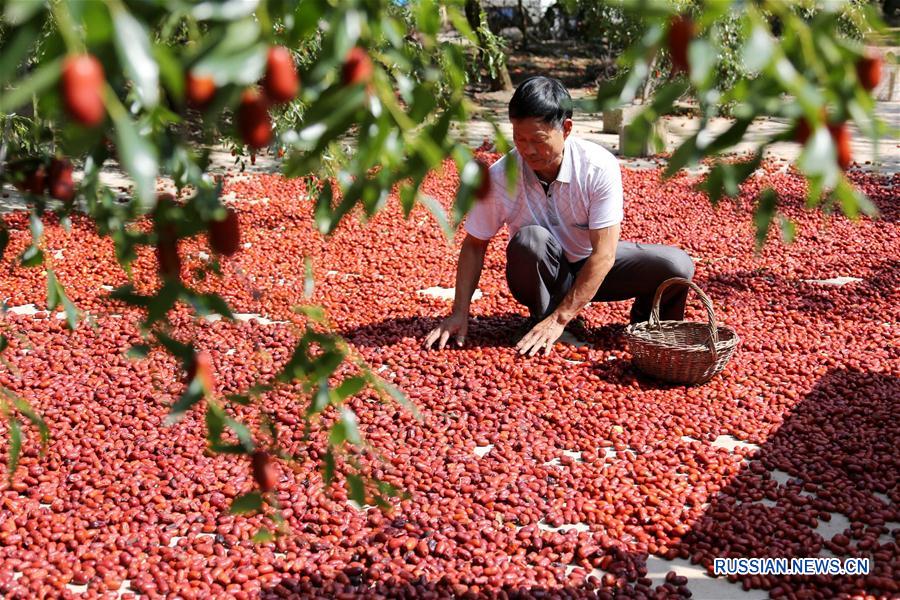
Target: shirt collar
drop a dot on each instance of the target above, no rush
(565, 169)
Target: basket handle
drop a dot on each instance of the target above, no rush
(713, 339)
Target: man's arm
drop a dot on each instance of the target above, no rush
(587, 282)
(468, 273)
(591, 275)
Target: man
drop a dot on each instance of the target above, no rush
(564, 217)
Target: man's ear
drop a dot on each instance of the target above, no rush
(567, 128)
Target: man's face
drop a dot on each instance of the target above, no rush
(540, 144)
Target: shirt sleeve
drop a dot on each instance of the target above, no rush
(485, 219)
(606, 204)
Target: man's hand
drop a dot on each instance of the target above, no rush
(457, 325)
(542, 335)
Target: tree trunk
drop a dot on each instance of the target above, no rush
(474, 13)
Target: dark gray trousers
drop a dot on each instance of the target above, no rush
(539, 275)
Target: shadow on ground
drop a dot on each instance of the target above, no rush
(832, 461)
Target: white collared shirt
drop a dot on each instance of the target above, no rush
(587, 194)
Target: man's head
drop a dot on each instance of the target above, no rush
(541, 115)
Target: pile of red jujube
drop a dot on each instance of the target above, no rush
(123, 496)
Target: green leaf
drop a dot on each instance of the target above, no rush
(702, 57)
(328, 467)
(19, 11)
(314, 313)
(763, 215)
(398, 396)
(435, 208)
(685, 154)
(320, 399)
(139, 158)
(356, 489)
(35, 84)
(215, 423)
(308, 280)
(247, 503)
(759, 49)
(262, 536)
(788, 230)
(170, 70)
(32, 256)
(160, 304)
(4, 240)
(243, 434)
(15, 444)
(192, 395)
(68, 307)
(324, 365)
(25, 408)
(349, 387)
(338, 434)
(174, 347)
(135, 55)
(4, 342)
(351, 426)
(224, 10)
(12, 53)
(138, 351)
(52, 290)
(237, 58)
(323, 212)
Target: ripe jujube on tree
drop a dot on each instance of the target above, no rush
(60, 184)
(253, 121)
(868, 70)
(281, 81)
(225, 235)
(199, 90)
(840, 133)
(200, 366)
(681, 31)
(357, 67)
(265, 473)
(81, 87)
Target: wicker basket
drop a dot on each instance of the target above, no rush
(681, 351)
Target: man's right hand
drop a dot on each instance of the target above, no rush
(455, 325)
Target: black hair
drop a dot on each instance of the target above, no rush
(541, 97)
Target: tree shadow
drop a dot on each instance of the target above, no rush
(838, 447)
(484, 332)
(815, 299)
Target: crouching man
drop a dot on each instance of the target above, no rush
(564, 217)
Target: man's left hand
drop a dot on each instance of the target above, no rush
(543, 335)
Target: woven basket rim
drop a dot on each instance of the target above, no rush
(641, 333)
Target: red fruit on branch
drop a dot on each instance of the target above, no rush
(681, 31)
(868, 70)
(840, 133)
(281, 81)
(225, 235)
(802, 131)
(253, 121)
(81, 87)
(199, 90)
(265, 473)
(34, 181)
(200, 366)
(484, 186)
(357, 67)
(60, 182)
(167, 257)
